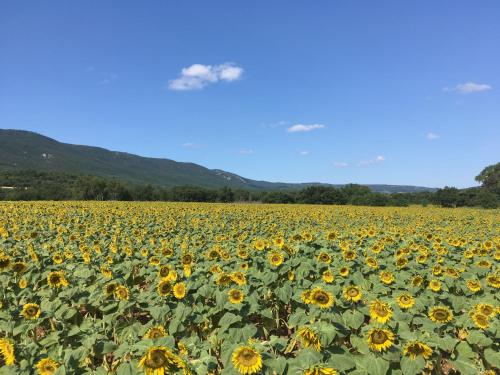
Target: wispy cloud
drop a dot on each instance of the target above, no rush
(468, 88)
(246, 151)
(197, 76)
(377, 160)
(298, 128)
(190, 145)
(340, 164)
(109, 79)
(432, 136)
(276, 124)
(304, 152)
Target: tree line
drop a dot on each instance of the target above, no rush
(35, 185)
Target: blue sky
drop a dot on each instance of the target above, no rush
(368, 91)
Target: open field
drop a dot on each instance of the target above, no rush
(164, 288)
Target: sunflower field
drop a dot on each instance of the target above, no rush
(177, 288)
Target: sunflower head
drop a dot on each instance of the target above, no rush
(246, 360)
(7, 357)
(179, 290)
(235, 296)
(56, 279)
(31, 311)
(328, 276)
(121, 292)
(405, 301)
(160, 360)
(480, 320)
(155, 332)
(46, 366)
(321, 298)
(440, 314)
(380, 311)
(308, 338)
(380, 339)
(416, 349)
(275, 258)
(320, 370)
(164, 288)
(352, 293)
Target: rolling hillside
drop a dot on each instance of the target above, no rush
(24, 150)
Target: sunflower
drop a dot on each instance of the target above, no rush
(238, 277)
(7, 357)
(305, 296)
(46, 366)
(155, 332)
(121, 292)
(19, 267)
(417, 280)
(480, 320)
(380, 339)
(291, 275)
(160, 360)
(235, 296)
(259, 245)
(57, 258)
(486, 309)
(435, 285)
(164, 288)
(321, 298)
(106, 272)
(23, 283)
(344, 271)
(31, 311)
(416, 349)
(352, 293)
(349, 255)
(56, 279)
(380, 311)
(320, 370)
(246, 360)
(386, 277)
(4, 262)
(493, 280)
(110, 289)
(179, 290)
(372, 263)
(405, 300)
(440, 314)
(275, 258)
(308, 338)
(473, 285)
(328, 276)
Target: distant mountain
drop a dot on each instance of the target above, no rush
(24, 150)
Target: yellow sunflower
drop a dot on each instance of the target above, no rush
(275, 258)
(246, 360)
(179, 290)
(405, 300)
(321, 298)
(155, 332)
(473, 285)
(121, 292)
(380, 311)
(344, 271)
(238, 277)
(415, 349)
(486, 309)
(308, 338)
(435, 285)
(493, 281)
(160, 360)
(440, 314)
(46, 366)
(305, 296)
(320, 370)
(235, 296)
(352, 293)
(56, 279)
(386, 277)
(31, 311)
(328, 276)
(7, 357)
(164, 288)
(380, 339)
(480, 320)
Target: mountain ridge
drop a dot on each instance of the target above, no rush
(26, 150)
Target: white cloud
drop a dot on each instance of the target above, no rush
(190, 145)
(275, 124)
(340, 164)
(304, 152)
(432, 136)
(197, 76)
(246, 151)
(468, 88)
(304, 128)
(377, 160)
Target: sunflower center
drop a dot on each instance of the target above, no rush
(248, 357)
(352, 292)
(440, 314)
(157, 359)
(379, 337)
(31, 311)
(486, 310)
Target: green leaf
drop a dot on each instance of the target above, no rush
(227, 320)
(478, 338)
(412, 367)
(492, 357)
